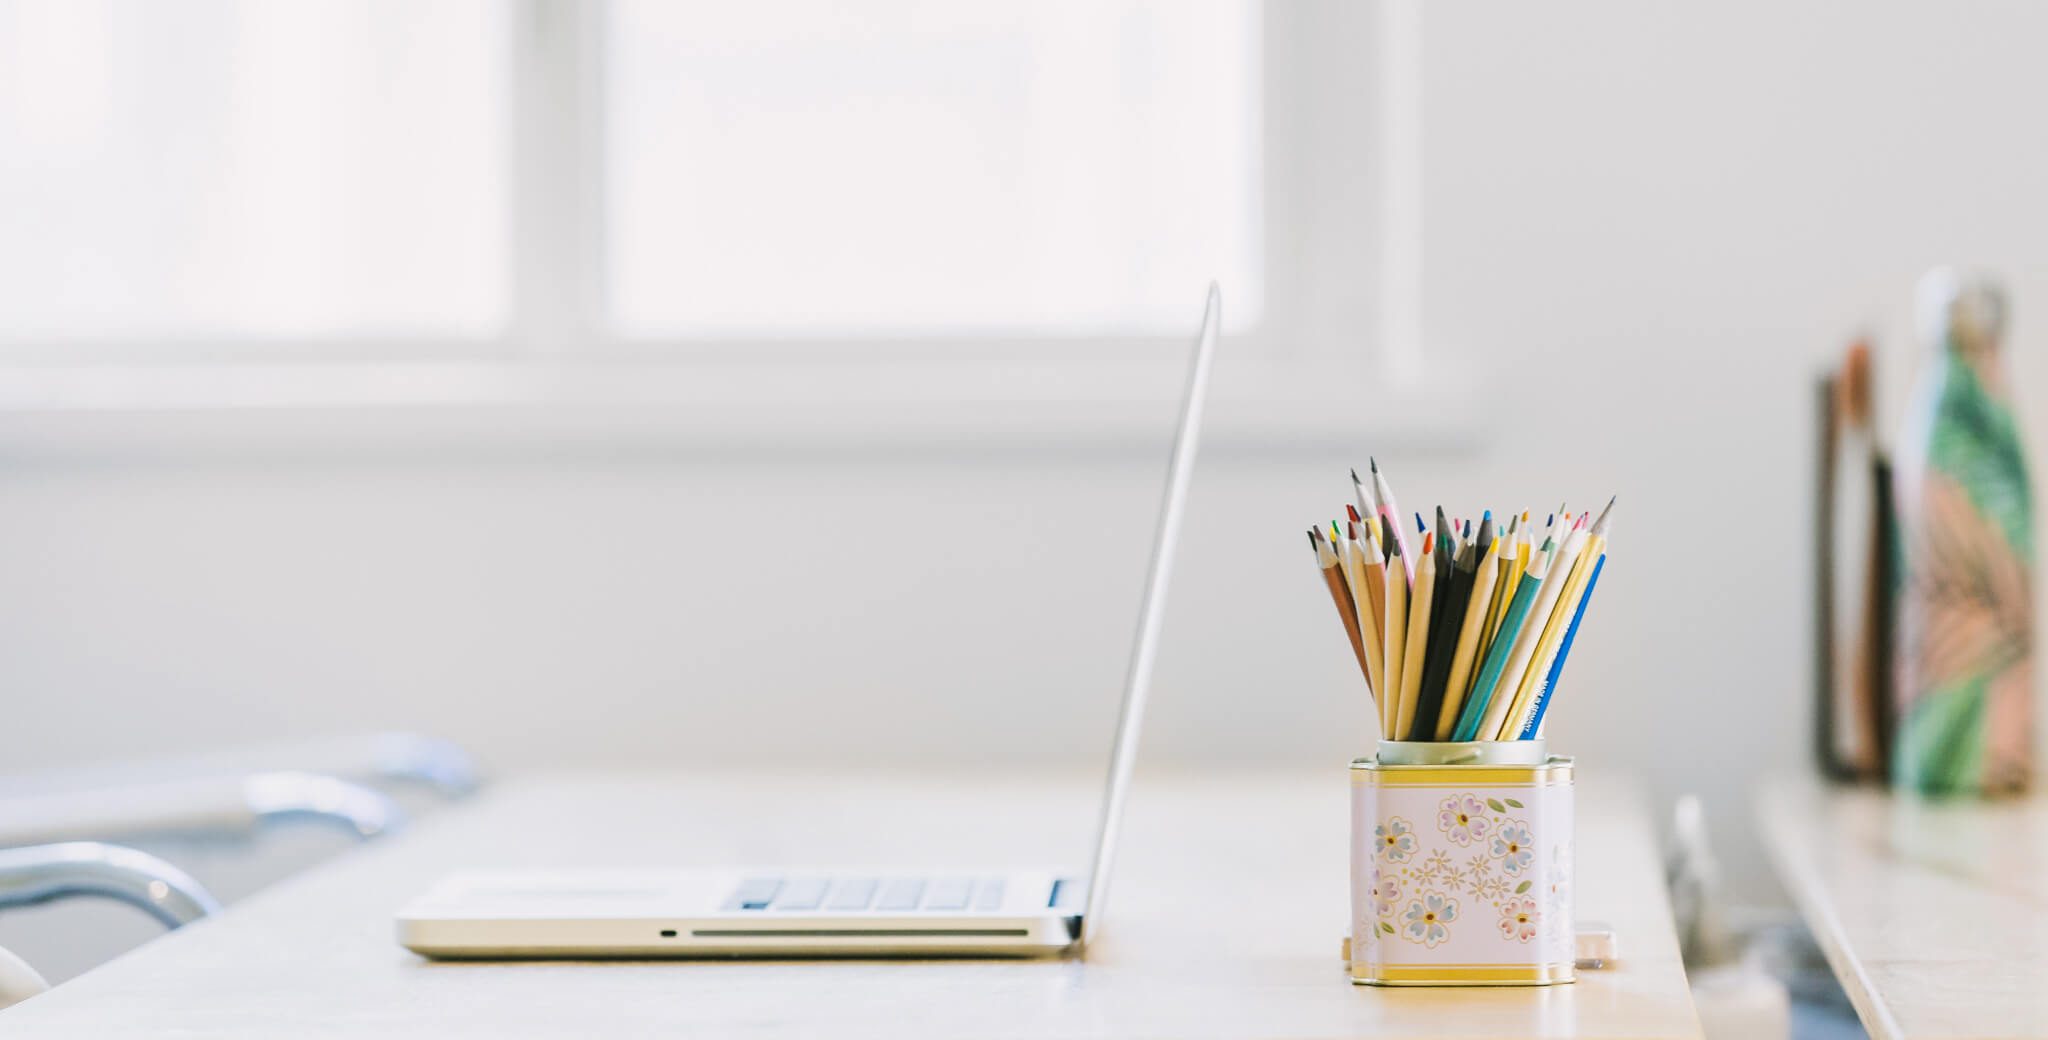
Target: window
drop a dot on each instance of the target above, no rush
(911, 166)
(311, 169)
(514, 187)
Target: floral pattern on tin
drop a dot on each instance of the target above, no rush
(1396, 840)
(1421, 886)
(1512, 845)
(1463, 817)
(1519, 919)
(1386, 893)
(1429, 918)
(1560, 877)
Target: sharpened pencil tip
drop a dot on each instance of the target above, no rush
(1354, 476)
(1351, 512)
(1420, 527)
(1600, 522)
(1373, 462)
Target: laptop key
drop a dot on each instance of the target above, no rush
(949, 894)
(988, 896)
(754, 894)
(852, 894)
(800, 895)
(900, 894)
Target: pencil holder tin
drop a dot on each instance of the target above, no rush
(1461, 865)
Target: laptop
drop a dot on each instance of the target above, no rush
(760, 913)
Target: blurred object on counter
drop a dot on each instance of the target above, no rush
(1964, 679)
(1694, 877)
(1853, 581)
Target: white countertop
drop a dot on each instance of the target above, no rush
(1934, 915)
(1225, 920)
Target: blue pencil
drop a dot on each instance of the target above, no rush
(1563, 651)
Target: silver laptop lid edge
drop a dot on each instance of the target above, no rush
(1138, 681)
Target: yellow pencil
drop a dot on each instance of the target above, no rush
(1394, 638)
(1418, 637)
(1356, 576)
(1375, 575)
(1514, 569)
(1476, 614)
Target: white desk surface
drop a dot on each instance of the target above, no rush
(1934, 915)
(1225, 920)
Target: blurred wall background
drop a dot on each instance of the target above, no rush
(1646, 225)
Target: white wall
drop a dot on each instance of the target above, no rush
(1646, 224)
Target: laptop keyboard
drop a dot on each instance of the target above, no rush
(851, 895)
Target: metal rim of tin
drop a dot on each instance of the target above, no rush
(1477, 761)
(1461, 753)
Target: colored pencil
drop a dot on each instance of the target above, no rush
(1383, 493)
(1376, 591)
(1556, 568)
(1367, 507)
(1413, 658)
(1478, 703)
(1480, 590)
(1575, 600)
(1554, 624)
(1461, 628)
(1357, 574)
(1394, 636)
(1333, 576)
(1513, 567)
(1453, 592)
(1571, 635)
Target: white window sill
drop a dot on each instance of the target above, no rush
(175, 409)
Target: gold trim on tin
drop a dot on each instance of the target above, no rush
(1462, 974)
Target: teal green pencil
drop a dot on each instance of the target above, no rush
(1502, 649)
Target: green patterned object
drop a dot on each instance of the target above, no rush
(1966, 552)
